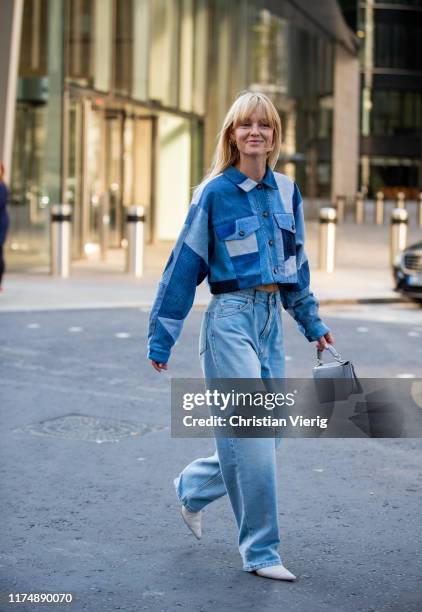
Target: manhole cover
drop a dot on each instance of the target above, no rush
(84, 427)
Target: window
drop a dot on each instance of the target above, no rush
(33, 54)
(395, 112)
(140, 49)
(123, 44)
(164, 56)
(80, 40)
(402, 2)
(398, 45)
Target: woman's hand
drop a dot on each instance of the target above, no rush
(328, 338)
(158, 366)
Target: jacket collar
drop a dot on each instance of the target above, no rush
(244, 182)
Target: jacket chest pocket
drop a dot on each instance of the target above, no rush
(240, 239)
(285, 232)
(240, 235)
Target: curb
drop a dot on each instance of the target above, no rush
(373, 300)
(198, 306)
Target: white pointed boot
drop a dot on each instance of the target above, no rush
(276, 572)
(193, 520)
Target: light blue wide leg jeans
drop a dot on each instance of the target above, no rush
(241, 337)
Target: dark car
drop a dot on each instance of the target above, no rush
(407, 272)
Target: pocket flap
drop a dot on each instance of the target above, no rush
(285, 221)
(238, 229)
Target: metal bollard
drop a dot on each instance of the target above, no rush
(379, 208)
(401, 200)
(327, 239)
(420, 209)
(135, 235)
(360, 207)
(398, 232)
(60, 237)
(340, 206)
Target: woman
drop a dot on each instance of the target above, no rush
(245, 233)
(4, 221)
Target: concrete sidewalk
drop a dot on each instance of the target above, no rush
(362, 275)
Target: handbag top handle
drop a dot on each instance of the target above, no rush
(334, 353)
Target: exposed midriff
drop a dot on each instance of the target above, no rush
(269, 288)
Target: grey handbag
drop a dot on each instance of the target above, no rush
(335, 380)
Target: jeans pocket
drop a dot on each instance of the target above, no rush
(231, 306)
(203, 341)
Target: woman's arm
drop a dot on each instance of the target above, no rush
(186, 268)
(297, 298)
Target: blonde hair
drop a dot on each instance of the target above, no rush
(226, 153)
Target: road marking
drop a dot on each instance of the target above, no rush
(19, 351)
(413, 334)
(75, 329)
(405, 375)
(33, 325)
(288, 358)
(122, 335)
(362, 329)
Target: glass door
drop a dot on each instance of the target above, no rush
(109, 167)
(93, 202)
(144, 129)
(29, 207)
(73, 174)
(114, 174)
(129, 139)
(84, 177)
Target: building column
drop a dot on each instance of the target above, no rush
(345, 150)
(10, 36)
(55, 124)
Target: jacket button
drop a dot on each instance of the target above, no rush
(259, 186)
(241, 233)
(293, 226)
(270, 242)
(265, 214)
(275, 270)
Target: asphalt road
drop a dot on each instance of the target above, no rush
(101, 520)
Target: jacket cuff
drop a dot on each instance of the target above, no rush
(315, 331)
(158, 355)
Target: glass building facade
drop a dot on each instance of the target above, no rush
(391, 94)
(119, 102)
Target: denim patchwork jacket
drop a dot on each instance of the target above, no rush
(238, 233)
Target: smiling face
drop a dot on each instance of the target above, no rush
(253, 135)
